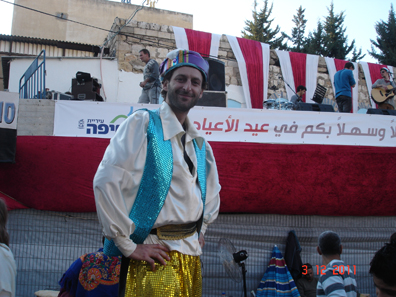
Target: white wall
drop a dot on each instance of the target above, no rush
(119, 86)
(129, 89)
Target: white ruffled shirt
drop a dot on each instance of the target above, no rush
(7, 271)
(119, 174)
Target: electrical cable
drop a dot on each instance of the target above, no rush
(126, 23)
(52, 15)
(108, 40)
(118, 32)
(101, 75)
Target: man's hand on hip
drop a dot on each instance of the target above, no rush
(150, 253)
(201, 240)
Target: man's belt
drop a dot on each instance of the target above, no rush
(175, 232)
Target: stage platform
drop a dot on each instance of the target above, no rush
(269, 161)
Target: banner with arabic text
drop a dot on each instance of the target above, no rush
(101, 120)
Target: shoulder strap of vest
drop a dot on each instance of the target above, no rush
(154, 186)
(201, 172)
(156, 180)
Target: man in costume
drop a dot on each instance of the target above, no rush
(157, 188)
(334, 281)
(295, 99)
(151, 84)
(383, 269)
(343, 82)
(383, 83)
(306, 285)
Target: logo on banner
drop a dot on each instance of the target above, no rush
(99, 126)
(7, 112)
(81, 124)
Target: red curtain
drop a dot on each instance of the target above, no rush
(53, 173)
(375, 71)
(339, 64)
(56, 173)
(306, 179)
(299, 66)
(253, 55)
(199, 41)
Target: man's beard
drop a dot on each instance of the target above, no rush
(178, 103)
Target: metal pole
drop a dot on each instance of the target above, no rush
(244, 278)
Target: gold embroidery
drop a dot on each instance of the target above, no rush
(181, 277)
(176, 232)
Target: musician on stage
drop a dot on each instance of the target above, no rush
(343, 82)
(295, 99)
(383, 83)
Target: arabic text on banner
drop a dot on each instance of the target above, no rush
(101, 120)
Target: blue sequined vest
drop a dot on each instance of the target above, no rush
(155, 183)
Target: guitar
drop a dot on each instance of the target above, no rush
(379, 95)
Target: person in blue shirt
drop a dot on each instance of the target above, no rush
(343, 82)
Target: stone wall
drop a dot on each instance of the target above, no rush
(159, 40)
(36, 117)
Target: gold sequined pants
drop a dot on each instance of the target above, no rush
(181, 277)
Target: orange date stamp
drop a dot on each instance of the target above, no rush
(337, 269)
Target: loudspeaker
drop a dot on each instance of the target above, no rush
(83, 76)
(86, 90)
(381, 111)
(319, 94)
(314, 107)
(216, 79)
(83, 90)
(213, 98)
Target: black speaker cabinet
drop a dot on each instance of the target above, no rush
(83, 90)
(314, 107)
(216, 79)
(213, 98)
(83, 77)
(381, 111)
(86, 90)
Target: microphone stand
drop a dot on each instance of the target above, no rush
(288, 86)
(298, 97)
(390, 77)
(393, 80)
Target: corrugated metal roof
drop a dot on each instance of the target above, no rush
(58, 43)
(13, 46)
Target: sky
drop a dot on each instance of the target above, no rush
(228, 17)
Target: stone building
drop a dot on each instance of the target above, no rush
(73, 14)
